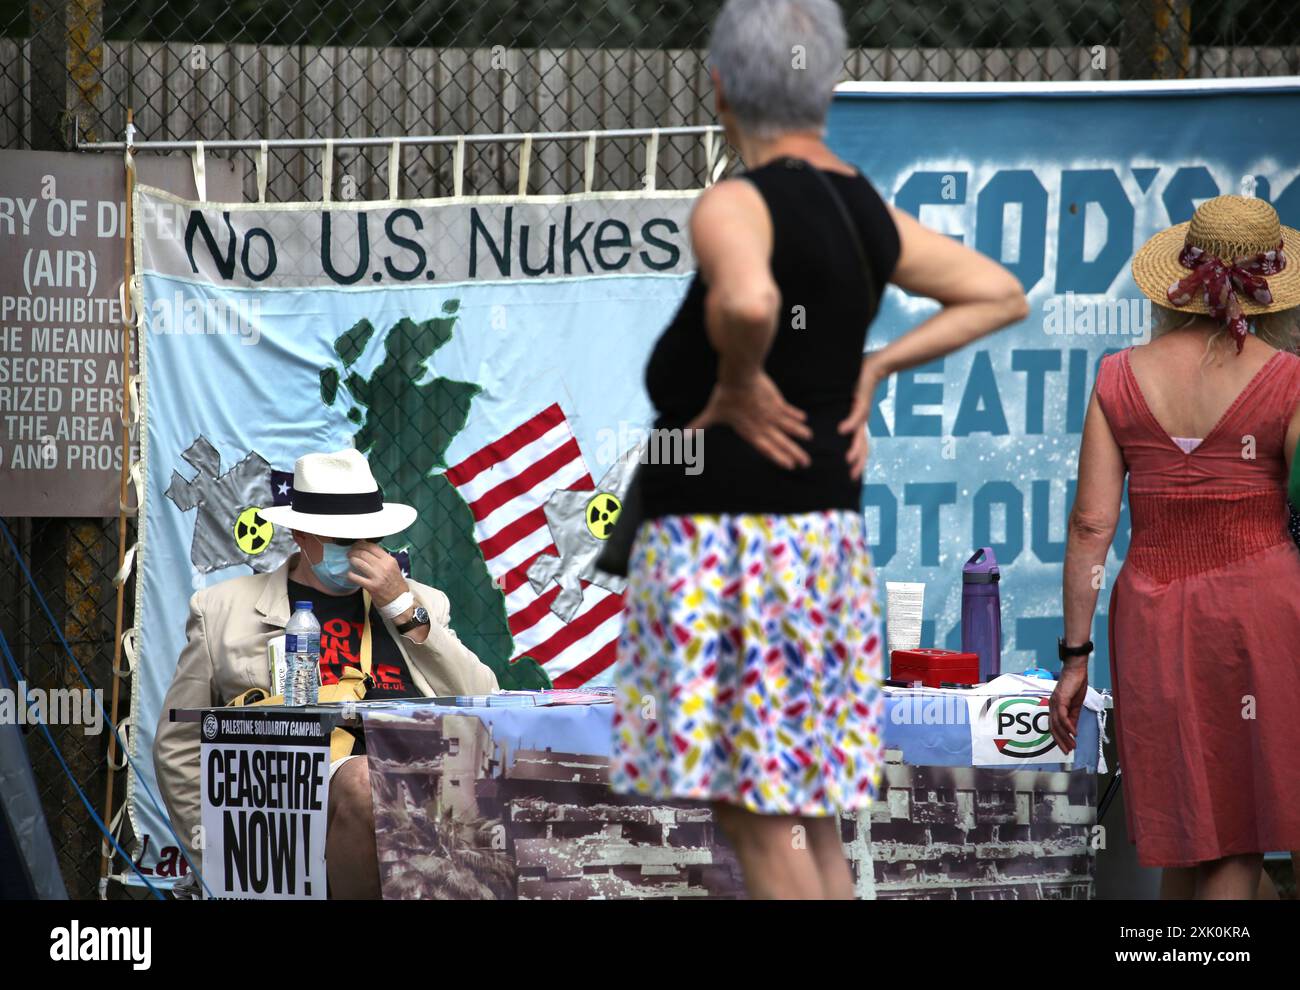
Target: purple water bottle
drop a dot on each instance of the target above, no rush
(981, 612)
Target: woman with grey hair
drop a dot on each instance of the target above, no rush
(750, 660)
(1203, 626)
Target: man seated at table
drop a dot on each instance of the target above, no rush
(336, 514)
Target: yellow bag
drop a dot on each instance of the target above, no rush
(351, 686)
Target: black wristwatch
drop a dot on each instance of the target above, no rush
(418, 618)
(1070, 652)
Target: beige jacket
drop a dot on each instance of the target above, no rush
(225, 654)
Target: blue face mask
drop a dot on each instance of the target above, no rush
(333, 568)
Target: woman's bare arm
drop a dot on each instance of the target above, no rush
(978, 296)
(731, 232)
(1092, 522)
(1090, 530)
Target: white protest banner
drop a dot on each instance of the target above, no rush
(1012, 731)
(265, 787)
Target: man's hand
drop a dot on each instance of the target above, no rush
(1066, 703)
(374, 569)
(760, 415)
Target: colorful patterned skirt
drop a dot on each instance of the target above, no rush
(749, 665)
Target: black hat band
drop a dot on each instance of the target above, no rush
(336, 504)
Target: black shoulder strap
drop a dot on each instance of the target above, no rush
(868, 276)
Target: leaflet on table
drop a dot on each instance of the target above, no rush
(1004, 686)
(502, 699)
(540, 699)
(275, 663)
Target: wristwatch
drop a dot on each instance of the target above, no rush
(418, 618)
(1070, 652)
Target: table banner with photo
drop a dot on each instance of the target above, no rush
(505, 803)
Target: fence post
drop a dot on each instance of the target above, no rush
(67, 62)
(1155, 40)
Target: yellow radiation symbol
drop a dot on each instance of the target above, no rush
(602, 513)
(252, 532)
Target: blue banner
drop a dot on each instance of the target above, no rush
(1061, 184)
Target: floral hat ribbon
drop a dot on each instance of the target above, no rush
(1221, 282)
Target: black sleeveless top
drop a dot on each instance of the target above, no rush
(815, 357)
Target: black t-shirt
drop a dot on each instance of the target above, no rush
(341, 620)
(814, 360)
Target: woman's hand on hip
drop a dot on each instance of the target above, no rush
(759, 414)
(1066, 703)
(856, 421)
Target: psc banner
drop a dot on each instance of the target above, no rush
(1061, 183)
(1012, 730)
(265, 789)
(485, 354)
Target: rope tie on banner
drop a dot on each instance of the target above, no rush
(589, 163)
(525, 161)
(137, 482)
(719, 167)
(394, 169)
(261, 165)
(715, 160)
(129, 412)
(327, 171)
(128, 654)
(200, 171)
(133, 390)
(458, 167)
(124, 571)
(135, 292)
(651, 160)
(130, 314)
(124, 732)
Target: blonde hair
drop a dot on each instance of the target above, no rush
(1279, 329)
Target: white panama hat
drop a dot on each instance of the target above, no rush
(335, 495)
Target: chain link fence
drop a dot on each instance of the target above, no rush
(72, 563)
(269, 69)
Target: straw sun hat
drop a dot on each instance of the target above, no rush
(1238, 235)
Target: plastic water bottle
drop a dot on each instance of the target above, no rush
(981, 612)
(302, 657)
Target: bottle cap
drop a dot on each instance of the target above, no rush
(982, 568)
(299, 606)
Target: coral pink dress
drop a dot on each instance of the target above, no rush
(1205, 626)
